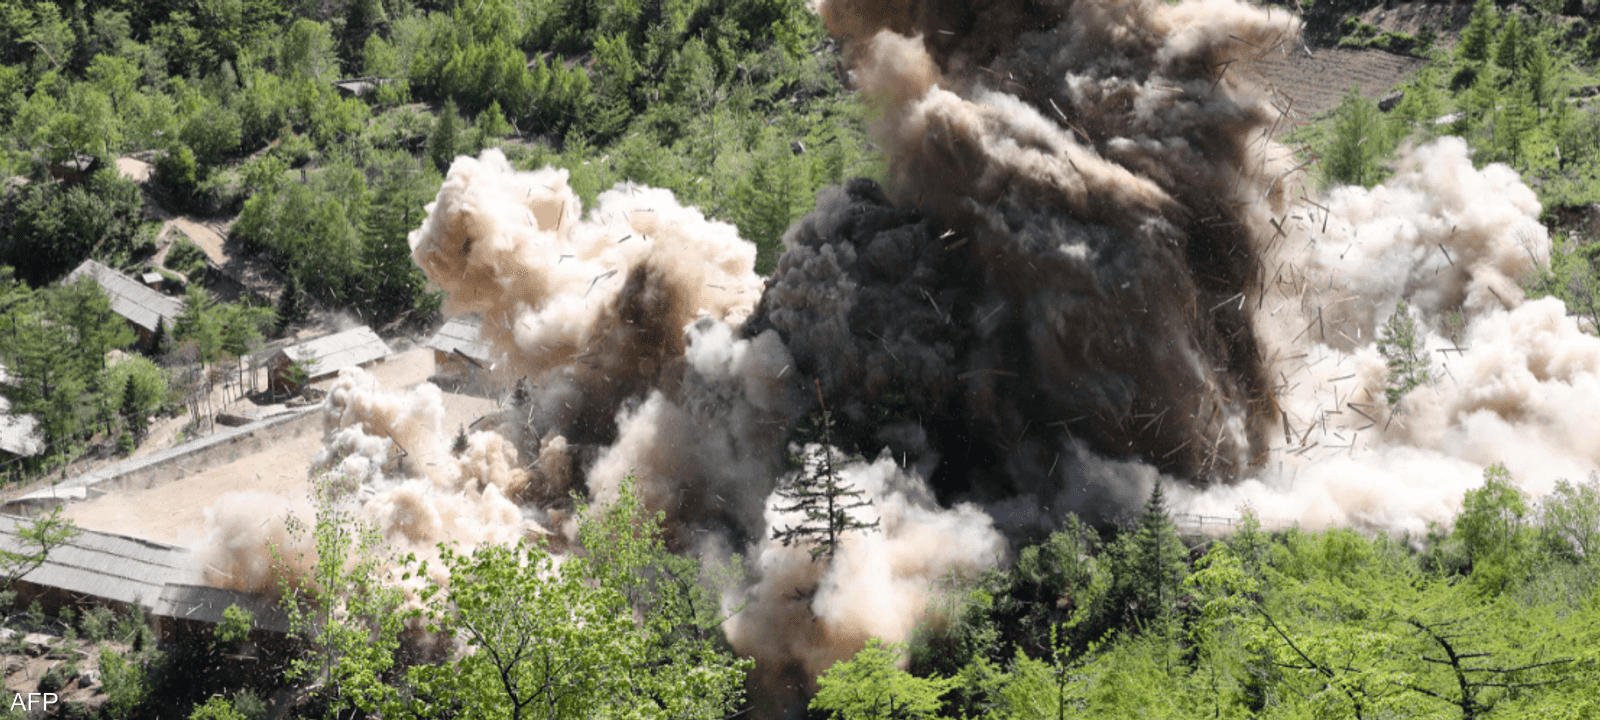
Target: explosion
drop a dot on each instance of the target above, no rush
(1090, 269)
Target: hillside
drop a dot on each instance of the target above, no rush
(839, 360)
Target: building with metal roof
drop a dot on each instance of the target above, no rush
(324, 357)
(143, 307)
(359, 87)
(202, 603)
(104, 566)
(99, 568)
(458, 350)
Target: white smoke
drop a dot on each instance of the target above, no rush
(1514, 382)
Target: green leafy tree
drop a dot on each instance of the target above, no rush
(546, 642)
(236, 625)
(34, 543)
(871, 687)
(124, 679)
(216, 708)
(178, 170)
(308, 51)
(1569, 521)
(391, 283)
(312, 229)
(1493, 526)
(1407, 358)
(143, 390)
(46, 229)
(1472, 673)
(199, 323)
(346, 612)
(772, 195)
(686, 670)
(213, 135)
(85, 125)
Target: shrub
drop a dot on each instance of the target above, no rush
(187, 258)
(176, 169)
(58, 677)
(96, 623)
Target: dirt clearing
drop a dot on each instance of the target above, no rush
(175, 513)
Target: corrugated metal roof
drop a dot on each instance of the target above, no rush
(331, 353)
(19, 434)
(207, 604)
(103, 565)
(129, 298)
(461, 335)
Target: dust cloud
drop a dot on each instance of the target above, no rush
(1089, 269)
(1512, 381)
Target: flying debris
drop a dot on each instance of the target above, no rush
(1085, 273)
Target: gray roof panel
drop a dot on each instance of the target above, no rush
(461, 335)
(331, 353)
(131, 299)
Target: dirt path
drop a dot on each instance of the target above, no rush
(135, 169)
(210, 236)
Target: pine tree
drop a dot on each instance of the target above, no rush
(824, 497)
(291, 308)
(1512, 49)
(158, 338)
(85, 308)
(442, 143)
(1408, 359)
(1359, 141)
(1160, 556)
(1475, 41)
(131, 412)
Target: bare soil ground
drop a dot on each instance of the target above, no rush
(1314, 75)
(1309, 81)
(23, 670)
(242, 273)
(135, 169)
(175, 512)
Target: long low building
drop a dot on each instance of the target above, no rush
(324, 357)
(99, 568)
(143, 307)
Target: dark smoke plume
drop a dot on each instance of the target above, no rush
(1085, 272)
(1066, 257)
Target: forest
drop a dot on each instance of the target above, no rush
(742, 108)
(735, 106)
